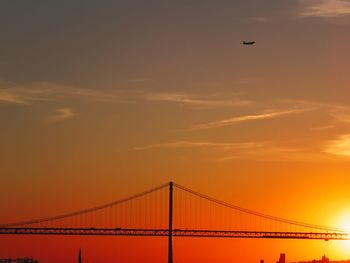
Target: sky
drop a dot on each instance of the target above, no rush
(102, 99)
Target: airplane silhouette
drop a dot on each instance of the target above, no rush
(248, 42)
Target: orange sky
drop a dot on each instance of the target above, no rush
(99, 101)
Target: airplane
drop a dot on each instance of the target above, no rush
(248, 42)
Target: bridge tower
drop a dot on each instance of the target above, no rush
(170, 229)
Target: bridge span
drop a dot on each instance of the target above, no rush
(172, 210)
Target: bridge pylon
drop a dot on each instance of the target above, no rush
(170, 229)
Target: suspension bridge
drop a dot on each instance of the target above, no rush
(173, 210)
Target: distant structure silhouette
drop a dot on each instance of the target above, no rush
(324, 259)
(282, 258)
(18, 260)
(79, 256)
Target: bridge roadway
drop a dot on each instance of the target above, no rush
(175, 232)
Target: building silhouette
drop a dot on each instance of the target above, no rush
(323, 259)
(18, 260)
(282, 258)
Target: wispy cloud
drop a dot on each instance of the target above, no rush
(259, 151)
(140, 80)
(31, 93)
(62, 114)
(198, 144)
(8, 97)
(260, 19)
(324, 8)
(320, 128)
(216, 100)
(340, 146)
(269, 152)
(244, 118)
(340, 113)
(43, 91)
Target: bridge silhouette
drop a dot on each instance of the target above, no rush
(173, 210)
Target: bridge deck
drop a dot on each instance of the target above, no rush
(176, 232)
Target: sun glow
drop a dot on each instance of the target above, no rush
(343, 222)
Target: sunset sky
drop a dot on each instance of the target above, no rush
(103, 99)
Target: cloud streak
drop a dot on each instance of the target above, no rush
(270, 152)
(62, 114)
(224, 152)
(196, 100)
(31, 93)
(244, 118)
(340, 146)
(324, 8)
(8, 97)
(340, 113)
(260, 19)
(35, 92)
(201, 144)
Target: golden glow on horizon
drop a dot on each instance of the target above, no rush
(343, 222)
